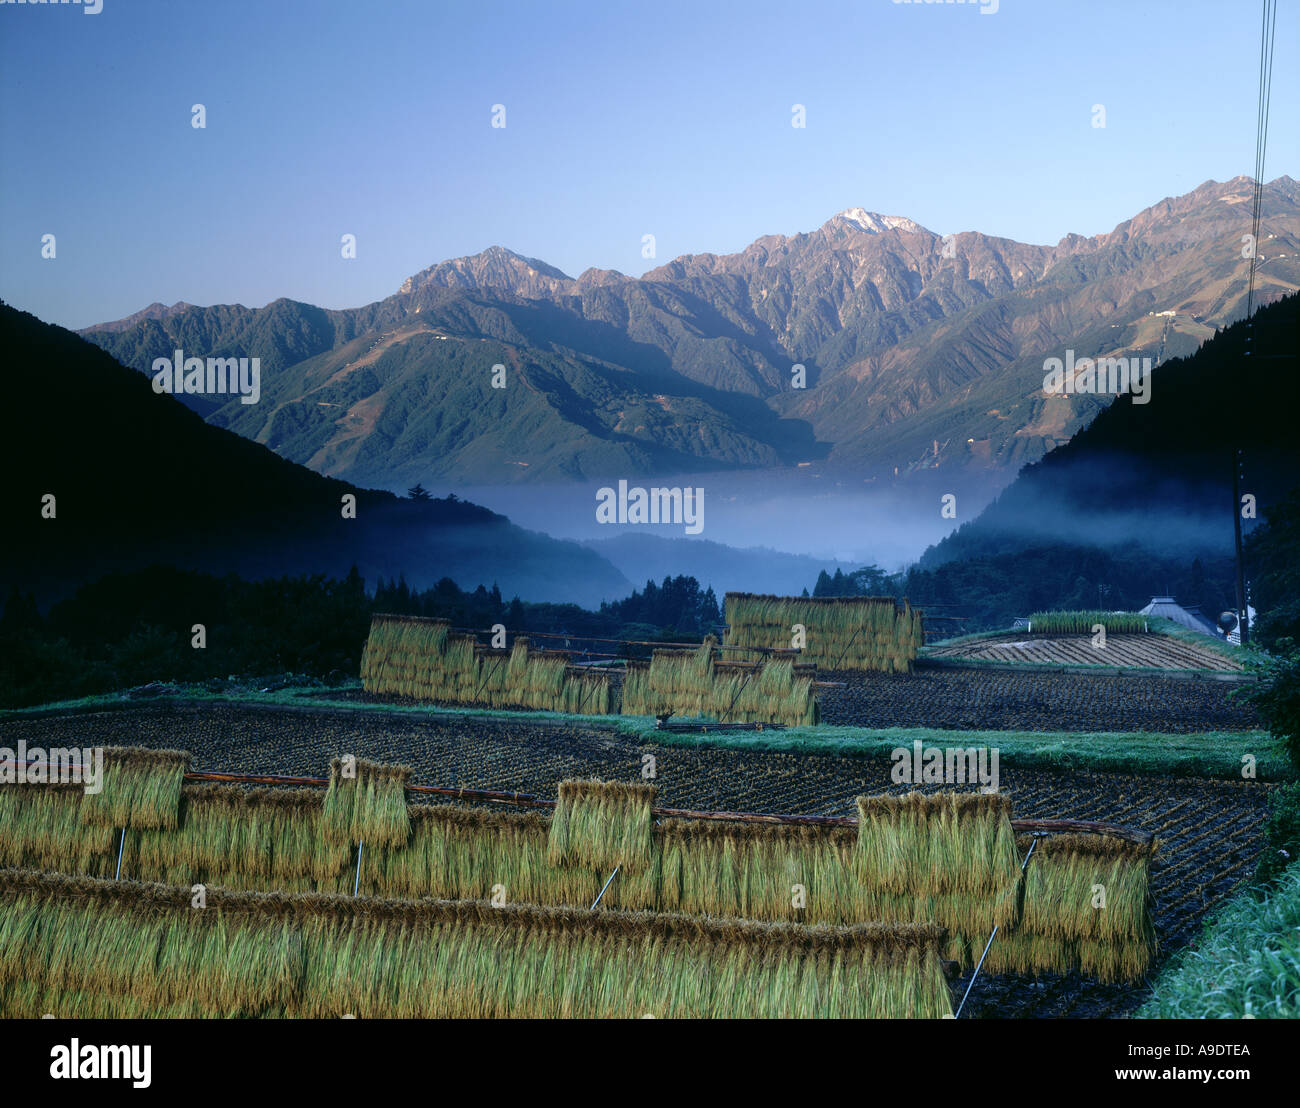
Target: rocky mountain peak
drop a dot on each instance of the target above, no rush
(493, 268)
(874, 223)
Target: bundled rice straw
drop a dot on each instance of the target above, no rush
(602, 823)
(141, 788)
(241, 838)
(85, 947)
(119, 939)
(692, 683)
(759, 871)
(848, 632)
(425, 660)
(947, 859)
(41, 827)
(922, 844)
(369, 807)
(1087, 903)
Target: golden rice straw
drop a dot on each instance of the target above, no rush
(369, 806)
(140, 789)
(123, 948)
(923, 844)
(602, 823)
(856, 633)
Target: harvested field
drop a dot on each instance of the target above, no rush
(1210, 831)
(999, 699)
(1126, 650)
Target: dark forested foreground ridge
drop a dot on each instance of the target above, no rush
(989, 593)
(1159, 475)
(137, 480)
(1140, 502)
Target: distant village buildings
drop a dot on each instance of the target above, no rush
(1193, 618)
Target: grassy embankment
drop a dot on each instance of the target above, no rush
(1246, 963)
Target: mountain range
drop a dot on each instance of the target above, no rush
(138, 480)
(919, 351)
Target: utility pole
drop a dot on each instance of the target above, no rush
(1243, 614)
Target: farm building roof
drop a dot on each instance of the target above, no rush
(1191, 618)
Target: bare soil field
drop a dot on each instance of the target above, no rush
(1156, 651)
(1210, 831)
(999, 699)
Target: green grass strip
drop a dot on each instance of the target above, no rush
(1082, 622)
(1245, 963)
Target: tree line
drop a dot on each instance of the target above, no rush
(168, 625)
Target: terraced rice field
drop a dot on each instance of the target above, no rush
(1157, 651)
(1209, 831)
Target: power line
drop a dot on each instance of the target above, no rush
(1267, 35)
(1263, 102)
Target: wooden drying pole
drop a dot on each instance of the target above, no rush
(623, 642)
(737, 694)
(598, 899)
(486, 679)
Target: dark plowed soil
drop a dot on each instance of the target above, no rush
(1001, 700)
(1210, 832)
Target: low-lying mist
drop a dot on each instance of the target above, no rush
(821, 515)
(1105, 500)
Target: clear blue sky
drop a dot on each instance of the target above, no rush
(669, 118)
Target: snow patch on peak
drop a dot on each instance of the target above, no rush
(874, 223)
